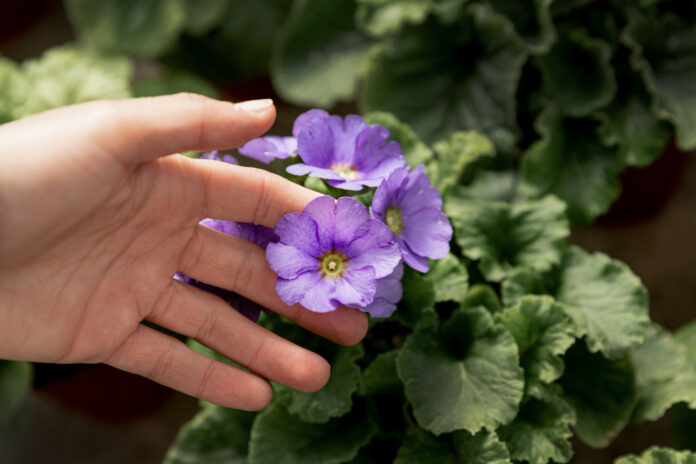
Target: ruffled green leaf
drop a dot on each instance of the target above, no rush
(686, 337)
(169, 81)
(505, 237)
(606, 301)
(532, 21)
(380, 376)
(415, 151)
(664, 376)
(67, 75)
(543, 332)
(541, 430)
(656, 455)
(215, 435)
(522, 282)
(630, 124)
(454, 155)
(473, 67)
(664, 52)
(15, 382)
(483, 295)
(139, 27)
(570, 162)
(492, 186)
(319, 55)
(13, 89)
(450, 279)
(384, 17)
(453, 448)
(466, 376)
(417, 306)
(577, 74)
(602, 392)
(278, 436)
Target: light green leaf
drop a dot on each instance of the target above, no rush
(543, 332)
(492, 186)
(656, 455)
(335, 398)
(202, 15)
(139, 27)
(606, 301)
(450, 279)
(630, 124)
(319, 55)
(171, 81)
(483, 295)
(577, 74)
(541, 430)
(280, 437)
(602, 392)
(522, 282)
(14, 89)
(384, 17)
(454, 155)
(570, 162)
(417, 306)
(15, 382)
(415, 151)
(68, 75)
(506, 237)
(532, 21)
(380, 376)
(464, 377)
(473, 67)
(215, 435)
(663, 375)
(664, 52)
(686, 337)
(454, 448)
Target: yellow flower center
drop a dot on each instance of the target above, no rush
(332, 264)
(394, 220)
(346, 171)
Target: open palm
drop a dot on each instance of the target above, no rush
(94, 222)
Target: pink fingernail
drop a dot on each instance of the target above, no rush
(254, 106)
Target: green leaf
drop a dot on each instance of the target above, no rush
(577, 74)
(473, 67)
(602, 392)
(450, 279)
(415, 151)
(214, 435)
(417, 306)
(453, 448)
(570, 162)
(171, 81)
(664, 52)
(454, 155)
(686, 337)
(540, 432)
(280, 437)
(380, 376)
(15, 382)
(543, 332)
(68, 75)
(522, 282)
(656, 455)
(384, 17)
(492, 186)
(483, 295)
(663, 375)
(13, 89)
(506, 237)
(630, 124)
(606, 301)
(202, 15)
(465, 377)
(139, 27)
(319, 55)
(532, 21)
(335, 398)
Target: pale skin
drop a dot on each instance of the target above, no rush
(96, 216)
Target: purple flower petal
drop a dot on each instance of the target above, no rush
(351, 220)
(358, 287)
(292, 291)
(301, 169)
(371, 149)
(211, 155)
(315, 144)
(345, 131)
(382, 259)
(319, 298)
(322, 210)
(307, 119)
(300, 231)
(266, 149)
(416, 262)
(260, 235)
(389, 292)
(428, 233)
(229, 159)
(289, 262)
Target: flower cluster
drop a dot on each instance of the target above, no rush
(336, 252)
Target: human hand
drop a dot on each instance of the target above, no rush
(95, 221)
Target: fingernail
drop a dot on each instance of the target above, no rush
(255, 106)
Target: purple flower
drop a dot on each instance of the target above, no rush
(213, 155)
(257, 234)
(389, 292)
(266, 149)
(412, 208)
(330, 254)
(347, 152)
